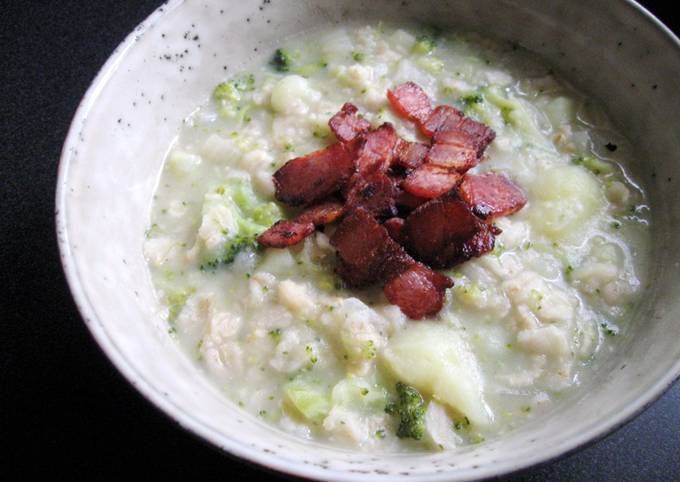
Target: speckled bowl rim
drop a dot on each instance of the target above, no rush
(231, 446)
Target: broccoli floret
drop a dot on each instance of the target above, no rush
(226, 91)
(176, 301)
(358, 56)
(471, 99)
(231, 249)
(228, 95)
(424, 44)
(410, 407)
(232, 218)
(282, 60)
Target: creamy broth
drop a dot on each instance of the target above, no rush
(280, 334)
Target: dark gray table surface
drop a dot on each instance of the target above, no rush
(64, 410)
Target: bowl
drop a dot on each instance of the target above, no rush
(616, 52)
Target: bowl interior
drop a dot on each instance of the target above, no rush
(113, 155)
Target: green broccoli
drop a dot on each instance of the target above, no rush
(176, 301)
(282, 60)
(226, 91)
(424, 44)
(232, 218)
(410, 407)
(471, 99)
(228, 95)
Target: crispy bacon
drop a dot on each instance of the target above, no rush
(394, 227)
(418, 291)
(481, 243)
(292, 231)
(442, 115)
(481, 134)
(363, 245)
(376, 150)
(374, 192)
(395, 263)
(408, 202)
(347, 125)
(491, 195)
(449, 126)
(313, 177)
(441, 221)
(323, 213)
(436, 232)
(410, 101)
(366, 254)
(410, 155)
(430, 181)
(452, 156)
(286, 232)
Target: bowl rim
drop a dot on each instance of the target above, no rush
(232, 447)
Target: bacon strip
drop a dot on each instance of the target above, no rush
(347, 125)
(441, 116)
(430, 181)
(363, 245)
(481, 243)
(324, 213)
(441, 232)
(410, 101)
(407, 201)
(366, 254)
(418, 291)
(453, 156)
(394, 228)
(375, 171)
(410, 155)
(313, 177)
(491, 195)
(284, 233)
(377, 150)
(374, 192)
(293, 231)
(482, 135)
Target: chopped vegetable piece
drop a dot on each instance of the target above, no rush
(281, 60)
(232, 217)
(410, 407)
(424, 44)
(310, 399)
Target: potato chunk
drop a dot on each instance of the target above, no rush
(435, 360)
(566, 198)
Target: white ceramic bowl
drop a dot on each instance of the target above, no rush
(112, 158)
